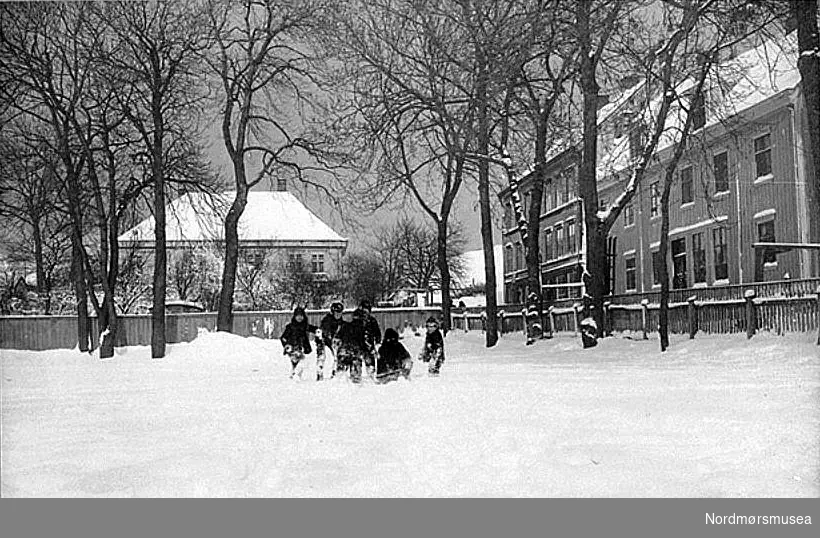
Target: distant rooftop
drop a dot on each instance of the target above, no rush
(269, 217)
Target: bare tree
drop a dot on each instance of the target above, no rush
(157, 57)
(265, 71)
(805, 13)
(43, 48)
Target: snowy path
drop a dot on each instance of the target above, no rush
(717, 416)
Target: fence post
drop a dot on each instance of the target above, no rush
(607, 319)
(524, 324)
(693, 317)
(551, 314)
(466, 324)
(575, 308)
(501, 323)
(751, 319)
(818, 315)
(644, 317)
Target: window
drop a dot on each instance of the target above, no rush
(603, 203)
(679, 263)
(519, 256)
(699, 258)
(656, 268)
(763, 155)
(719, 245)
(765, 234)
(254, 257)
(562, 292)
(698, 111)
(636, 140)
(317, 263)
(720, 164)
(295, 260)
(686, 187)
(654, 200)
(569, 183)
(571, 246)
(629, 214)
(559, 240)
(507, 216)
(508, 259)
(527, 197)
(548, 252)
(548, 195)
(631, 280)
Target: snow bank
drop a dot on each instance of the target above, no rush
(218, 417)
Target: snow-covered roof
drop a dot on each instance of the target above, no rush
(737, 84)
(268, 217)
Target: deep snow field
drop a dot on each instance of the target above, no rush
(718, 416)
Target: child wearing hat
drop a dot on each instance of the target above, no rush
(296, 341)
(433, 352)
(328, 328)
(394, 359)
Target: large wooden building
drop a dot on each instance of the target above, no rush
(742, 180)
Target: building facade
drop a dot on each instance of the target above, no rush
(742, 181)
(275, 227)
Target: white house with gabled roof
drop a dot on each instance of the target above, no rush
(274, 223)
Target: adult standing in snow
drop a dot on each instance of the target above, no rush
(433, 352)
(329, 326)
(372, 334)
(352, 347)
(296, 340)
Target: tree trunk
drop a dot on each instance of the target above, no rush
(808, 63)
(160, 257)
(224, 318)
(535, 298)
(663, 249)
(483, 148)
(596, 244)
(38, 256)
(110, 326)
(81, 294)
(444, 270)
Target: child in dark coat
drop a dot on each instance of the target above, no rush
(328, 328)
(296, 340)
(433, 352)
(394, 360)
(352, 346)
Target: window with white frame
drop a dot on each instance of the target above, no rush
(765, 234)
(519, 256)
(763, 155)
(508, 259)
(654, 199)
(295, 260)
(317, 263)
(629, 214)
(720, 165)
(559, 240)
(687, 190)
(630, 273)
(699, 258)
(679, 279)
(719, 250)
(548, 244)
(570, 233)
(656, 267)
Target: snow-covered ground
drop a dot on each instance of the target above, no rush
(716, 416)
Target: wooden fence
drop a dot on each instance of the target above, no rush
(750, 314)
(699, 312)
(60, 332)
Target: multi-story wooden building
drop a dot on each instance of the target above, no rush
(742, 181)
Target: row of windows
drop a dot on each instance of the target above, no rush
(697, 250)
(295, 259)
(720, 172)
(558, 241)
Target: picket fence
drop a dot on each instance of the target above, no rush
(60, 332)
(793, 312)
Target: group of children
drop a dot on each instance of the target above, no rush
(357, 343)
